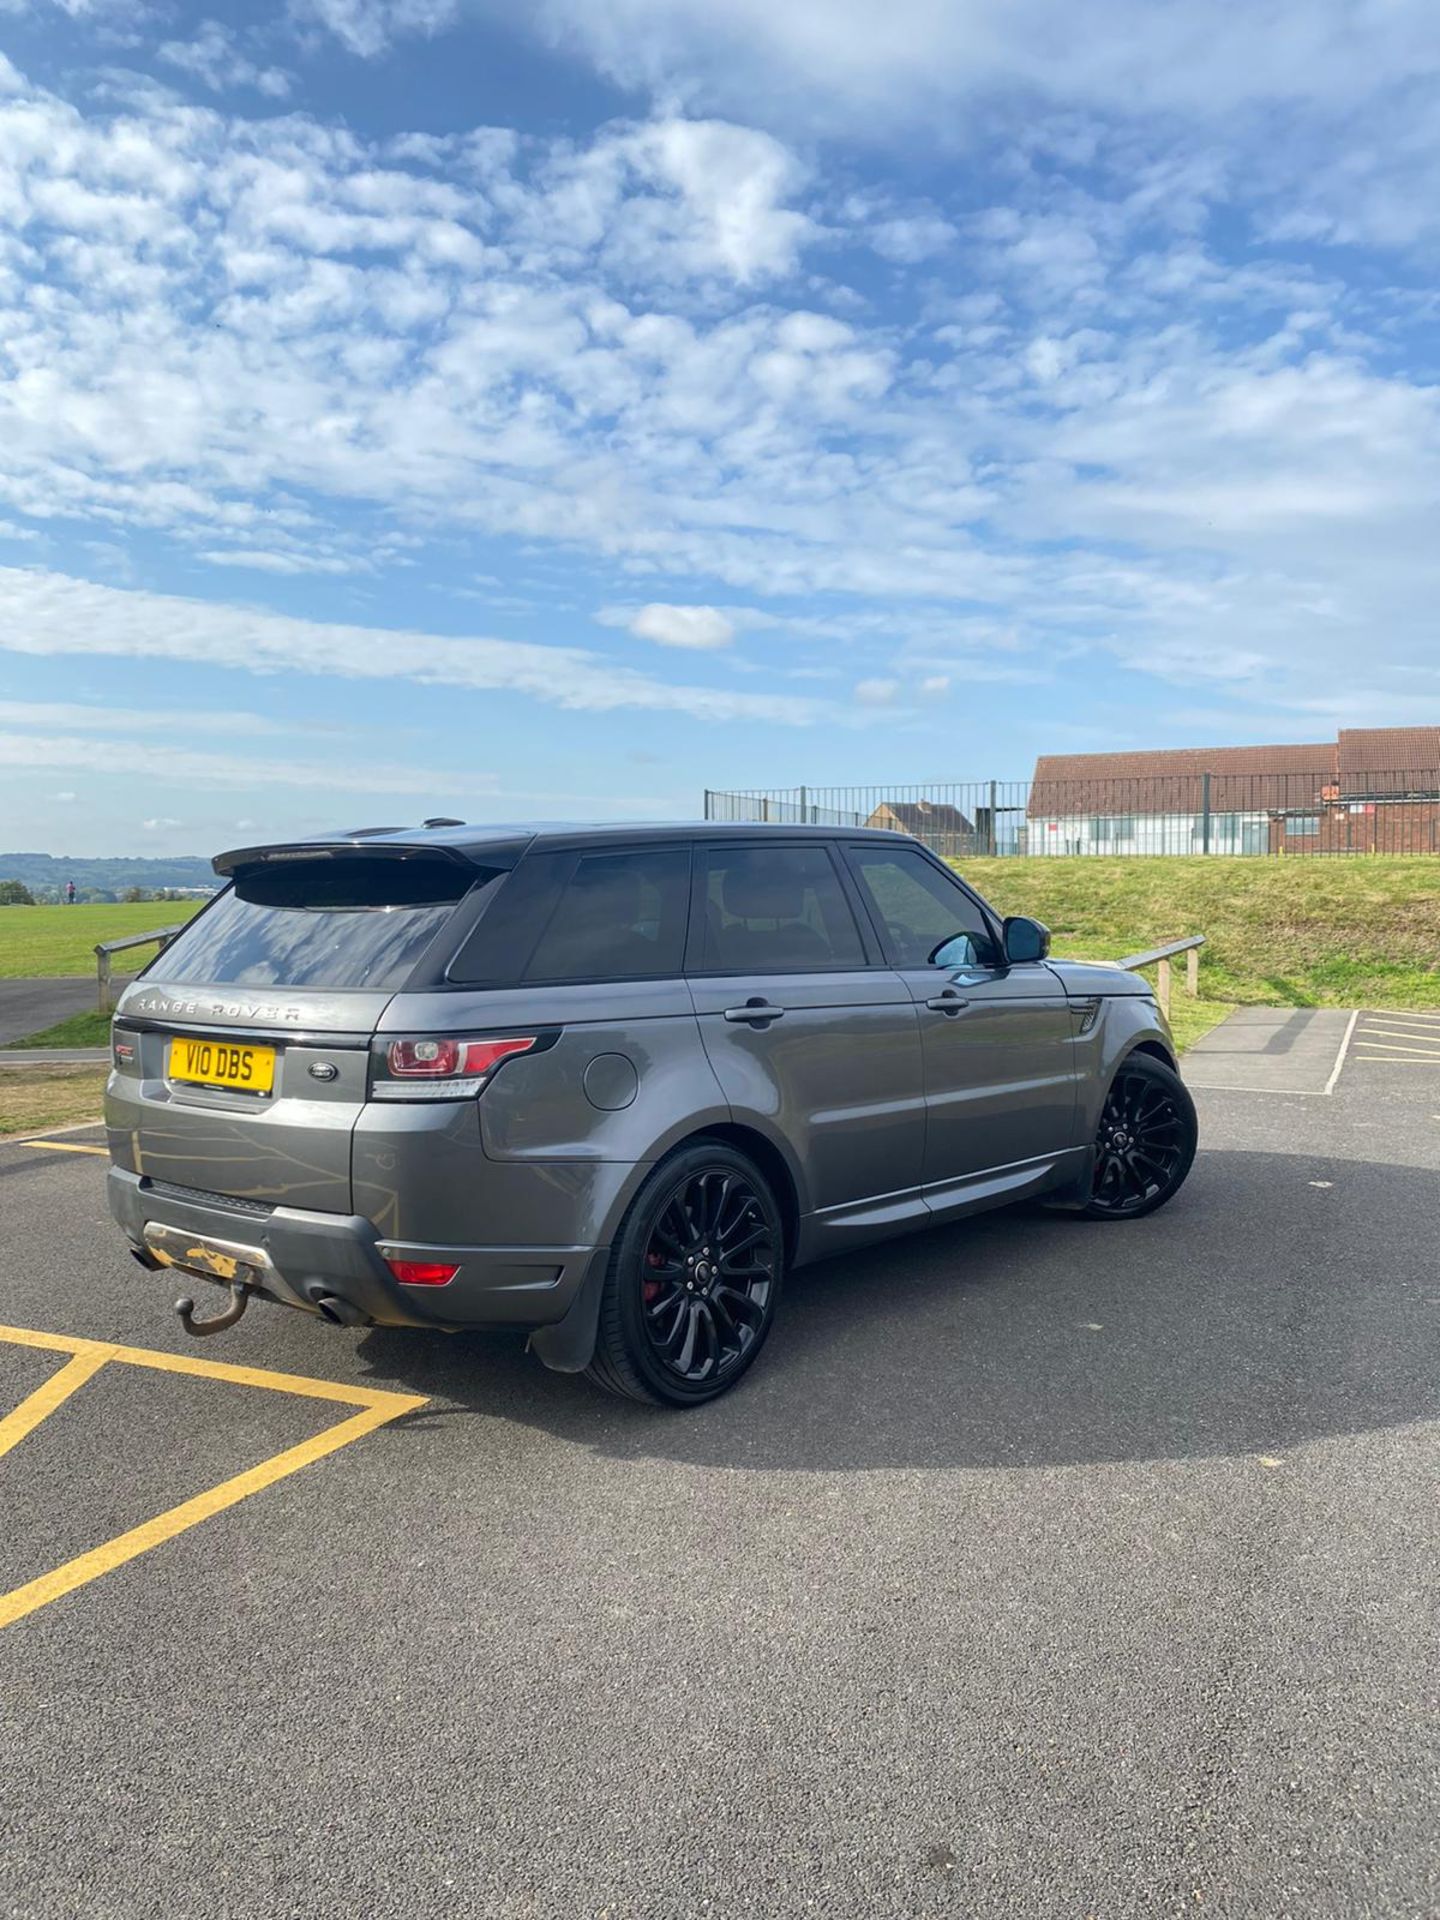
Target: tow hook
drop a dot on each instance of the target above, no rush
(217, 1323)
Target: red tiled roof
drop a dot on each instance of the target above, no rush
(1389, 759)
(1171, 780)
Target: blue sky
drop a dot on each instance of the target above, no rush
(434, 405)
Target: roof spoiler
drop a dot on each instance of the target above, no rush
(347, 846)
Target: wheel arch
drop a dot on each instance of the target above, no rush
(770, 1161)
(1157, 1051)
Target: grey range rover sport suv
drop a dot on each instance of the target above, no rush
(610, 1084)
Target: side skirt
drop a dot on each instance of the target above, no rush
(1063, 1180)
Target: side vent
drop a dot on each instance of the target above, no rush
(1084, 1013)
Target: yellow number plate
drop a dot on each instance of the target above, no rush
(217, 1063)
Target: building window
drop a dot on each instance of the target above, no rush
(1118, 826)
(1224, 832)
(1302, 824)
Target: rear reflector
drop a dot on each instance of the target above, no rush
(422, 1273)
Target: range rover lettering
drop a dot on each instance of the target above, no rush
(610, 1085)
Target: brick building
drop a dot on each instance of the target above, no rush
(1370, 790)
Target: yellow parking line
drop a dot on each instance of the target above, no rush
(57, 1146)
(153, 1533)
(1400, 1059)
(1393, 1046)
(43, 1402)
(376, 1407)
(1427, 1036)
(350, 1396)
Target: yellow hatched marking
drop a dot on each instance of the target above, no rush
(45, 1399)
(1381, 1048)
(376, 1408)
(1400, 1059)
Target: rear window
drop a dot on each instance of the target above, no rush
(777, 910)
(336, 923)
(621, 916)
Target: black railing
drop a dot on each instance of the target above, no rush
(1215, 813)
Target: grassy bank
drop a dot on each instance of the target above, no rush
(1341, 932)
(38, 943)
(32, 1098)
(80, 1030)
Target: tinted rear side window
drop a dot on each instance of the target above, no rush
(340, 923)
(620, 916)
(776, 910)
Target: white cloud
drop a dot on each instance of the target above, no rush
(1082, 424)
(876, 693)
(214, 58)
(700, 629)
(840, 58)
(368, 27)
(159, 823)
(59, 715)
(1324, 107)
(163, 763)
(51, 614)
(909, 238)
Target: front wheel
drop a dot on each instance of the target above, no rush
(1146, 1142)
(693, 1281)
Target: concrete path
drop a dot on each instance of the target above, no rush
(29, 1006)
(53, 1057)
(1273, 1050)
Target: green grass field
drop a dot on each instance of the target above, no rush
(1303, 933)
(1342, 932)
(38, 943)
(39, 1097)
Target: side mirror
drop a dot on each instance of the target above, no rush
(1025, 940)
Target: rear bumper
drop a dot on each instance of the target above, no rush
(342, 1255)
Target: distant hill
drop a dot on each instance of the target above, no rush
(45, 874)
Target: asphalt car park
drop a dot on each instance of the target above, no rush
(1040, 1567)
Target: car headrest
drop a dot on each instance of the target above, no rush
(758, 892)
(608, 890)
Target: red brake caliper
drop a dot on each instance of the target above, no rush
(652, 1288)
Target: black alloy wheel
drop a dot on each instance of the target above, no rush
(694, 1280)
(1146, 1141)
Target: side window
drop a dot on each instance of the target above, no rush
(621, 915)
(776, 910)
(921, 910)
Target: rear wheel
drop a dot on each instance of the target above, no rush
(693, 1280)
(1146, 1142)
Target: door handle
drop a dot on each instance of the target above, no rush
(948, 1002)
(756, 1013)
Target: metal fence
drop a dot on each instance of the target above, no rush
(1218, 813)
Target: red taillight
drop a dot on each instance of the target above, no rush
(422, 1273)
(423, 1059)
(444, 1059)
(426, 1068)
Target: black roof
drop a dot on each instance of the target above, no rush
(483, 844)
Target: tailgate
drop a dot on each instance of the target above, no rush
(179, 1110)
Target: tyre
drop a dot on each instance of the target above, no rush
(1146, 1141)
(693, 1281)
